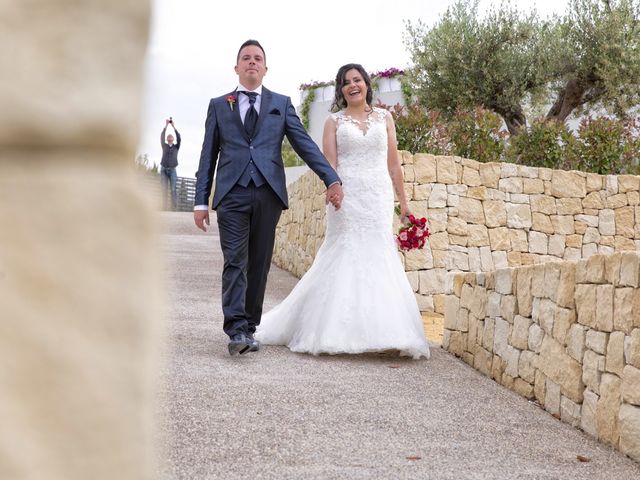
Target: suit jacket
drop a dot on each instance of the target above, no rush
(227, 146)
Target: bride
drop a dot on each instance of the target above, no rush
(355, 298)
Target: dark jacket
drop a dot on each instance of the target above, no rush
(169, 152)
(227, 149)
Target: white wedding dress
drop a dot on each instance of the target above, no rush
(356, 297)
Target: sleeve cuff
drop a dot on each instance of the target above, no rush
(201, 207)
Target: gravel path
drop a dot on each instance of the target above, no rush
(281, 415)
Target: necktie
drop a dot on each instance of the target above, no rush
(251, 117)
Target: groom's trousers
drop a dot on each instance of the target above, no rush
(247, 219)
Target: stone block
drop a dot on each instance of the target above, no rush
(424, 167)
(446, 170)
(532, 185)
(608, 409)
(625, 221)
(471, 176)
(631, 385)
(495, 213)
(625, 308)
(544, 204)
(558, 366)
(540, 387)
(520, 332)
(505, 278)
(523, 388)
(538, 243)
(501, 337)
(511, 185)
(569, 206)
(629, 425)
(563, 224)
(615, 353)
(471, 211)
(508, 307)
(604, 307)
(478, 236)
(629, 270)
(527, 365)
(592, 367)
(523, 291)
(490, 174)
(482, 361)
(499, 239)
(607, 222)
(632, 348)
(597, 341)
(570, 412)
(488, 334)
(518, 215)
(568, 184)
(588, 421)
(536, 336)
(563, 319)
(575, 341)
(552, 397)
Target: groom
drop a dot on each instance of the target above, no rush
(243, 137)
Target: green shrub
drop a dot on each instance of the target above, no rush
(476, 134)
(608, 146)
(545, 143)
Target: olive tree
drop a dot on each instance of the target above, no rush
(507, 59)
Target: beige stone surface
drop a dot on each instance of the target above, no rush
(70, 83)
(568, 184)
(629, 421)
(80, 292)
(608, 409)
(558, 366)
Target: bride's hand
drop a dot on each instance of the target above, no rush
(404, 214)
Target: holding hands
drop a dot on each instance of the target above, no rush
(335, 195)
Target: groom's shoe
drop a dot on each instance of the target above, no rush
(239, 344)
(255, 345)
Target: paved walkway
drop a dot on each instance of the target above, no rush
(281, 415)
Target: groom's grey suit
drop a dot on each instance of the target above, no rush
(250, 193)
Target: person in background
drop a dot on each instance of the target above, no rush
(168, 164)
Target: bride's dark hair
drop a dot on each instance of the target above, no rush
(339, 102)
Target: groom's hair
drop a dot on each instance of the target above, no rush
(251, 42)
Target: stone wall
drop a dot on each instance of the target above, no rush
(484, 216)
(566, 334)
(80, 299)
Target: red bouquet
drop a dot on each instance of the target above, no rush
(414, 234)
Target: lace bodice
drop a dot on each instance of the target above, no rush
(362, 166)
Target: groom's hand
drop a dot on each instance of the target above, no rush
(201, 217)
(335, 195)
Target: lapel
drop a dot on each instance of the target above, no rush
(265, 106)
(236, 113)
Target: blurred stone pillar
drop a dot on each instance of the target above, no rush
(79, 288)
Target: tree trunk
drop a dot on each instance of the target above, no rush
(513, 118)
(569, 98)
(575, 94)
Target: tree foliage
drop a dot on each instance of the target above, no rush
(509, 60)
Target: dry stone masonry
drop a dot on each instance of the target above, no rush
(482, 217)
(536, 272)
(566, 334)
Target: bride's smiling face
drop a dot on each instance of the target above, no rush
(355, 88)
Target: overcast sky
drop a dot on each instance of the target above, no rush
(193, 46)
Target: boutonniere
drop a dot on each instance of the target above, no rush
(231, 99)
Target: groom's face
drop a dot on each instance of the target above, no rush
(251, 67)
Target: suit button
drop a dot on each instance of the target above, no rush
(251, 147)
